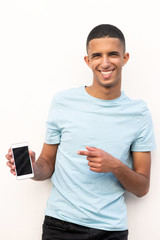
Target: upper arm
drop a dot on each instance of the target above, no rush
(142, 163)
(48, 154)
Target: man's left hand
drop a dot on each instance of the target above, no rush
(99, 160)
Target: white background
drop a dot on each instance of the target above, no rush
(42, 45)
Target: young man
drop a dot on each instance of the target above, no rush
(97, 145)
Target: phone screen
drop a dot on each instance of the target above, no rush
(22, 161)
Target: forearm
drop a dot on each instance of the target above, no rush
(42, 170)
(135, 181)
(132, 181)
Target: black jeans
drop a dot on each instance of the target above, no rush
(55, 229)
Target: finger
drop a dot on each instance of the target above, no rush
(94, 165)
(97, 151)
(13, 172)
(92, 159)
(32, 155)
(12, 160)
(87, 153)
(10, 165)
(10, 152)
(91, 148)
(95, 169)
(9, 156)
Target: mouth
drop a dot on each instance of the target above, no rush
(106, 73)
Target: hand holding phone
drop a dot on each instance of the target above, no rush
(19, 161)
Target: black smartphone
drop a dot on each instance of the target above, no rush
(22, 160)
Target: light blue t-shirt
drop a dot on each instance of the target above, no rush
(119, 126)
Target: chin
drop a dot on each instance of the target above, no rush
(107, 84)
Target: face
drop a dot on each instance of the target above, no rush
(106, 58)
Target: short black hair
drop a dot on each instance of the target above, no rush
(105, 30)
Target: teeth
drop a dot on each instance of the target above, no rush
(106, 73)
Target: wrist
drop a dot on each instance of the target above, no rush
(117, 164)
(36, 172)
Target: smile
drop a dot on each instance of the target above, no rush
(106, 74)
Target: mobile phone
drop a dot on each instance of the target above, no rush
(22, 160)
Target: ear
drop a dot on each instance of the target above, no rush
(86, 59)
(125, 58)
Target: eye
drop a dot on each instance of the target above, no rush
(96, 55)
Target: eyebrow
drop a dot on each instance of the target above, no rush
(110, 53)
(95, 55)
(114, 53)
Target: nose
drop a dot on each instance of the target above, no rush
(105, 62)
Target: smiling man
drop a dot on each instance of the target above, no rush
(97, 146)
(106, 57)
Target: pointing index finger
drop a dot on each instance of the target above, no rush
(87, 153)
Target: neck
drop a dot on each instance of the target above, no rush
(105, 93)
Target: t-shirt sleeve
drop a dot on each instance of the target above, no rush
(53, 133)
(145, 140)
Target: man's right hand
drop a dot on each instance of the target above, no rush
(10, 160)
(43, 167)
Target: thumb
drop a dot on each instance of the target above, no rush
(91, 148)
(32, 155)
